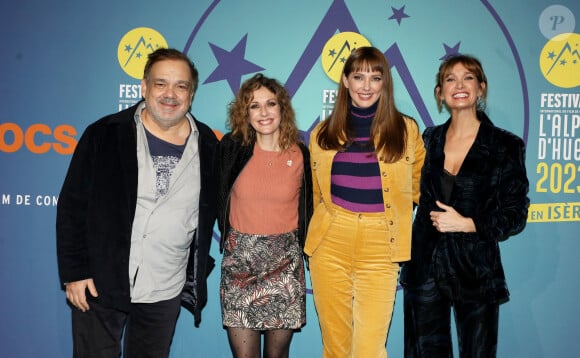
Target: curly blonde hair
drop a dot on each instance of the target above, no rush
(238, 120)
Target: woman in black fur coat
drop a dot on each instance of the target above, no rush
(473, 195)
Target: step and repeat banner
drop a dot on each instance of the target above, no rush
(64, 64)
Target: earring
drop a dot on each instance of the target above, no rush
(480, 104)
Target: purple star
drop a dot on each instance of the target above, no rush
(232, 65)
(398, 14)
(450, 51)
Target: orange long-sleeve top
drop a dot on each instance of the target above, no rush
(264, 198)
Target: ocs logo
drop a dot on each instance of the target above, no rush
(560, 60)
(336, 51)
(135, 46)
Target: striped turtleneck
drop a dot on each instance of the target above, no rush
(355, 176)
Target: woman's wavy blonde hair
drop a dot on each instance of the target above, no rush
(238, 120)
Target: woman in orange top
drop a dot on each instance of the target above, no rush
(265, 204)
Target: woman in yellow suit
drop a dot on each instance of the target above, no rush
(366, 160)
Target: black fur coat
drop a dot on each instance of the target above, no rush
(491, 188)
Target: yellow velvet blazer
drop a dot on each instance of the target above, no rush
(400, 183)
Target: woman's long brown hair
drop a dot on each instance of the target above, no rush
(388, 130)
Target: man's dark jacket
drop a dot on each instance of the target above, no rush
(97, 205)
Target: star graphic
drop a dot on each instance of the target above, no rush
(563, 62)
(551, 55)
(398, 14)
(450, 51)
(128, 48)
(332, 53)
(232, 65)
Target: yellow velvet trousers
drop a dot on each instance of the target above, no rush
(354, 284)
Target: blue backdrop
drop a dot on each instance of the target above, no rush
(63, 64)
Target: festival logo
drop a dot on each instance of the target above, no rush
(337, 50)
(132, 53)
(135, 46)
(560, 60)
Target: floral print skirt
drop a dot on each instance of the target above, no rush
(262, 282)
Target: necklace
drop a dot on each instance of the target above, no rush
(272, 157)
(288, 163)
